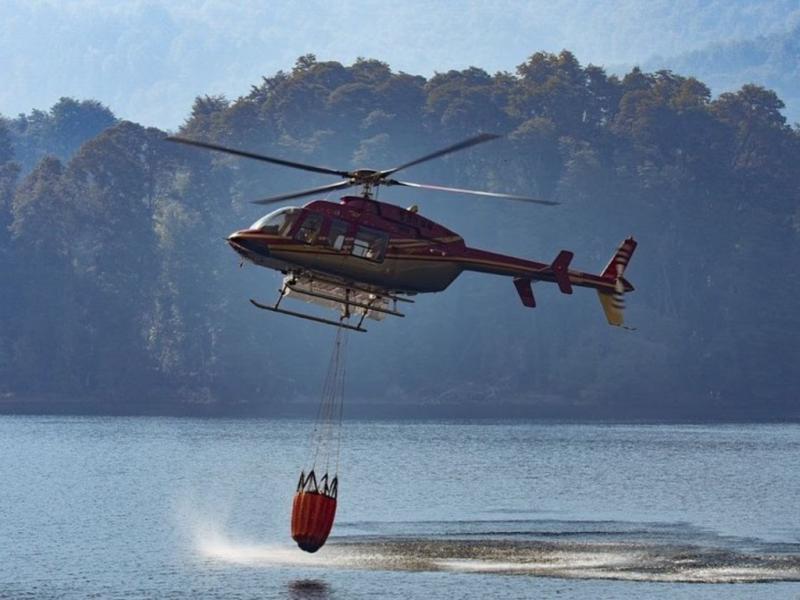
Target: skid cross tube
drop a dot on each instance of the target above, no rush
(282, 294)
(356, 288)
(390, 296)
(346, 301)
(365, 313)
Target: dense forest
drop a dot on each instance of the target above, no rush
(119, 295)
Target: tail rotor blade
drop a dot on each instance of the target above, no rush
(619, 288)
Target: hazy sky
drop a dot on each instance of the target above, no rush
(148, 59)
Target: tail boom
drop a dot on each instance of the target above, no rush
(610, 284)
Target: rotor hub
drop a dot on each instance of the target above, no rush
(364, 175)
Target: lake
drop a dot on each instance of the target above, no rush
(192, 508)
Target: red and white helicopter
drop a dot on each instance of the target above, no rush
(362, 257)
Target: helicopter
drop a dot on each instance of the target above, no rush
(365, 258)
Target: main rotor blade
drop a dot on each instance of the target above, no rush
(441, 188)
(323, 188)
(478, 139)
(262, 157)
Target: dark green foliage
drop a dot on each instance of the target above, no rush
(117, 284)
(58, 132)
(9, 172)
(6, 148)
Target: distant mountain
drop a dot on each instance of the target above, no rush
(772, 61)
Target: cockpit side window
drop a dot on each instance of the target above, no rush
(309, 228)
(370, 244)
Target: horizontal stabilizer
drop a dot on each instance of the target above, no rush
(560, 268)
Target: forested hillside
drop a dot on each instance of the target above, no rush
(118, 293)
(770, 60)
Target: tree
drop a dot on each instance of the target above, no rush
(42, 204)
(6, 147)
(143, 301)
(43, 332)
(9, 172)
(59, 132)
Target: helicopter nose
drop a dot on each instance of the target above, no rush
(247, 245)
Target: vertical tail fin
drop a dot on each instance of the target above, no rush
(616, 266)
(613, 303)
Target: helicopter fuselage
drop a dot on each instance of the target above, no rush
(386, 247)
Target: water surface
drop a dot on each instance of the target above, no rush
(183, 508)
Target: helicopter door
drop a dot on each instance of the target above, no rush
(309, 228)
(337, 234)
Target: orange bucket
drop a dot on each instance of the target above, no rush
(313, 512)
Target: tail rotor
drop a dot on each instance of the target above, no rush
(619, 288)
(613, 302)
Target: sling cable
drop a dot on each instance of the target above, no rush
(314, 505)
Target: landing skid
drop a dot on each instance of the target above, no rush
(299, 315)
(350, 300)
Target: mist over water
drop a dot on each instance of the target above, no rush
(196, 508)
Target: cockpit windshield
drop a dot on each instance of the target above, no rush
(278, 222)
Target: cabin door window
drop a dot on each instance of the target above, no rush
(370, 244)
(337, 233)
